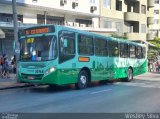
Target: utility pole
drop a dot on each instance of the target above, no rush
(16, 50)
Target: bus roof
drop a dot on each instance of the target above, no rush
(87, 33)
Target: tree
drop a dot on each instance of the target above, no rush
(154, 51)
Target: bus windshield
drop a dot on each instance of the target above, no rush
(40, 48)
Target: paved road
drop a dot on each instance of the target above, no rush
(140, 95)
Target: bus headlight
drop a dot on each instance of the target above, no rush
(52, 69)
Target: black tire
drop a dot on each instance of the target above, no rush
(129, 75)
(52, 86)
(82, 80)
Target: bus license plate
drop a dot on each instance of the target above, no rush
(30, 77)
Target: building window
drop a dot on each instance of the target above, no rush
(40, 19)
(118, 5)
(84, 22)
(108, 24)
(92, 1)
(9, 17)
(50, 19)
(156, 21)
(119, 28)
(143, 28)
(143, 9)
(156, 1)
(74, 5)
(107, 4)
(156, 11)
(55, 20)
(34, 0)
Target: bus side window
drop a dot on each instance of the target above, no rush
(124, 50)
(132, 51)
(101, 47)
(66, 45)
(85, 45)
(139, 52)
(143, 52)
(113, 50)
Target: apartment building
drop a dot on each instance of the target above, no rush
(74, 13)
(131, 18)
(153, 19)
(128, 17)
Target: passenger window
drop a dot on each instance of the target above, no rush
(143, 52)
(85, 45)
(124, 50)
(132, 50)
(101, 48)
(113, 50)
(139, 52)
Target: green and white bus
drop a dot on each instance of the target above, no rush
(52, 54)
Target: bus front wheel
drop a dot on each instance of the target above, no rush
(129, 75)
(82, 80)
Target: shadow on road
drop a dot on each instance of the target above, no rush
(64, 88)
(143, 80)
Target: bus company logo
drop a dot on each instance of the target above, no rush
(39, 71)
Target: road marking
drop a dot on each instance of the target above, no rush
(101, 91)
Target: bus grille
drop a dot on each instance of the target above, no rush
(34, 76)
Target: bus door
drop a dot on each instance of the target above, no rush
(67, 62)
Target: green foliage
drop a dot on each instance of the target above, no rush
(156, 42)
(154, 51)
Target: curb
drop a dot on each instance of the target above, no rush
(13, 87)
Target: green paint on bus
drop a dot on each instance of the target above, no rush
(69, 56)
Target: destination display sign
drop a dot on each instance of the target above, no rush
(38, 30)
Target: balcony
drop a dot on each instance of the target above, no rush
(131, 16)
(150, 3)
(150, 20)
(150, 36)
(136, 36)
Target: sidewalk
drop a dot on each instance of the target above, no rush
(11, 82)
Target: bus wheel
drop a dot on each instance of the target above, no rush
(52, 86)
(129, 75)
(82, 80)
